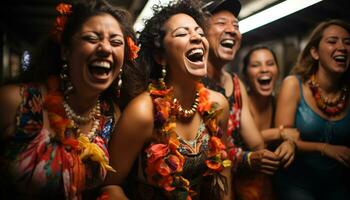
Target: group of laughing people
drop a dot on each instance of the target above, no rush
(103, 114)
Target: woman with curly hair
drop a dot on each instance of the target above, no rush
(175, 128)
(57, 119)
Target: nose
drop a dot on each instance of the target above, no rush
(230, 29)
(104, 49)
(264, 68)
(342, 45)
(196, 37)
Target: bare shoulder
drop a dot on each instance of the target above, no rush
(291, 82)
(10, 96)
(140, 109)
(10, 100)
(219, 98)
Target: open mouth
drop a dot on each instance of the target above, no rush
(264, 81)
(100, 68)
(195, 55)
(228, 43)
(340, 58)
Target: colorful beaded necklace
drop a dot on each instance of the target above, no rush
(329, 107)
(164, 161)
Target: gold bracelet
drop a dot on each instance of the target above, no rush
(248, 159)
(323, 149)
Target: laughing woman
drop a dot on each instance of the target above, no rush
(316, 101)
(57, 121)
(175, 127)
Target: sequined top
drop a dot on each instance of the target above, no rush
(35, 165)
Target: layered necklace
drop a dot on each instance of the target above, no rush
(77, 120)
(330, 107)
(63, 120)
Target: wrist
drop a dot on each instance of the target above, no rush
(323, 149)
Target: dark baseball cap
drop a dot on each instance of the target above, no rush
(234, 6)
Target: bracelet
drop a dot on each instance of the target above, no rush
(323, 149)
(248, 159)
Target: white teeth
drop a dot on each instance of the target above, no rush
(264, 78)
(103, 64)
(194, 51)
(227, 41)
(340, 58)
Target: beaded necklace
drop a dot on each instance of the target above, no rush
(164, 161)
(61, 124)
(329, 107)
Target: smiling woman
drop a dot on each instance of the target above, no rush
(177, 125)
(58, 117)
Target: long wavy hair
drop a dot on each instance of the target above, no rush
(306, 65)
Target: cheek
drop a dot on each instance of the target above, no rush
(119, 57)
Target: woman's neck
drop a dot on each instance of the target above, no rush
(184, 91)
(260, 103)
(330, 83)
(80, 104)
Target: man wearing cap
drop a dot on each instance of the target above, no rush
(224, 40)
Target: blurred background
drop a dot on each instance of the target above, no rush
(25, 22)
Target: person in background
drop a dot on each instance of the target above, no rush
(224, 38)
(260, 71)
(56, 119)
(174, 128)
(317, 99)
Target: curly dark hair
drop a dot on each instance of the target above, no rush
(152, 36)
(47, 60)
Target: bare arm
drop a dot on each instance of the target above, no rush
(275, 134)
(222, 122)
(133, 130)
(285, 116)
(10, 100)
(249, 132)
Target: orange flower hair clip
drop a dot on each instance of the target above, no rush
(64, 10)
(134, 49)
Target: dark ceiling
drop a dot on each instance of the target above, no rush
(299, 23)
(28, 20)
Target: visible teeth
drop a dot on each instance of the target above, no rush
(340, 58)
(228, 42)
(103, 64)
(264, 78)
(196, 51)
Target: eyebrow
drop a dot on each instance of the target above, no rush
(186, 28)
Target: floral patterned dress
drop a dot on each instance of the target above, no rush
(37, 166)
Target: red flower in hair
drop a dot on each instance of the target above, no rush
(134, 49)
(64, 10)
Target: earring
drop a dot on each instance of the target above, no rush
(161, 80)
(120, 81)
(66, 84)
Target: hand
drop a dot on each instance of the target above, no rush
(338, 152)
(264, 161)
(285, 152)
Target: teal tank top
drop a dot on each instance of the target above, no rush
(314, 128)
